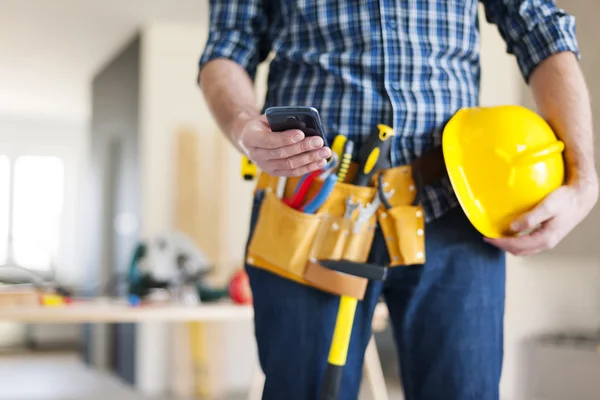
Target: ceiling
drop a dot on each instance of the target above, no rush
(49, 50)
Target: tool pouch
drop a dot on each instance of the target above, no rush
(290, 243)
(403, 224)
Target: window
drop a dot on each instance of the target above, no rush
(31, 207)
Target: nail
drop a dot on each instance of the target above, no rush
(297, 137)
(323, 153)
(321, 163)
(316, 143)
(515, 226)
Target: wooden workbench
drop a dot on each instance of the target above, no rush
(113, 311)
(100, 311)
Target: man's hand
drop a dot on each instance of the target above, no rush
(549, 222)
(562, 98)
(229, 93)
(286, 153)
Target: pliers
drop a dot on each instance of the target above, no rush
(312, 206)
(306, 181)
(331, 166)
(302, 189)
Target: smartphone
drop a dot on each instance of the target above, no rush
(306, 119)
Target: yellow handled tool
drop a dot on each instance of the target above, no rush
(248, 169)
(370, 157)
(338, 145)
(376, 149)
(338, 351)
(345, 160)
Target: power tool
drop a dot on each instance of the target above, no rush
(173, 263)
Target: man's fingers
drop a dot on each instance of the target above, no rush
(263, 119)
(543, 212)
(261, 123)
(300, 160)
(279, 153)
(518, 245)
(301, 170)
(264, 139)
(545, 238)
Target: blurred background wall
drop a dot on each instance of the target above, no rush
(559, 290)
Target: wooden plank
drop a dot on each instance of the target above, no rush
(187, 195)
(115, 312)
(196, 381)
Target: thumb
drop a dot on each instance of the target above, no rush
(263, 120)
(541, 213)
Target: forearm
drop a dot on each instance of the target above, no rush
(229, 93)
(562, 98)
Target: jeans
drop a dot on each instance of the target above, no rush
(447, 319)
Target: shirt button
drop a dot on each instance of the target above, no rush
(396, 85)
(392, 24)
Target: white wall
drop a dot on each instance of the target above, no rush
(547, 292)
(170, 100)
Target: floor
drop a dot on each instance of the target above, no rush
(56, 377)
(64, 377)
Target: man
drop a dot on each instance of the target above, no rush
(410, 65)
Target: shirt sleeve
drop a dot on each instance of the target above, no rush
(237, 31)
(533, 30)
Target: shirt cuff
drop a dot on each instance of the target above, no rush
(554, 34)
(231, 45)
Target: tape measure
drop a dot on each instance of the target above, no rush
(248, 169)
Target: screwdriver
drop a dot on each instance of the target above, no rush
(346, 159)
(338, 145)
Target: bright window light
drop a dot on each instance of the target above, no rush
(37, 208)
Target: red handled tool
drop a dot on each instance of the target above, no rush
(302, 190)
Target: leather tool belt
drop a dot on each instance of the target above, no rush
(293, 244)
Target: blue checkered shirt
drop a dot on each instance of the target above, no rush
(410, 64)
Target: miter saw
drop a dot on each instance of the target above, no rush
(171, 264)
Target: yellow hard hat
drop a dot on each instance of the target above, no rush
(502, 161)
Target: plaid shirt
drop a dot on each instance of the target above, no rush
(410, 64)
